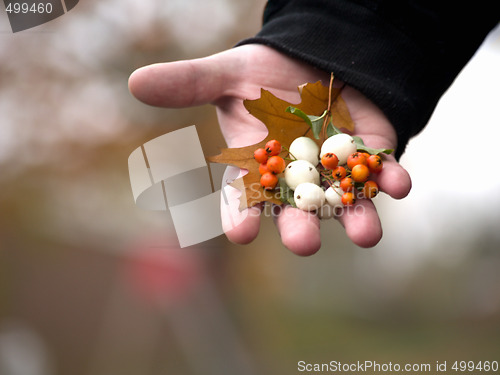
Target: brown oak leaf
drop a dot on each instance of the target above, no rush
(284, 127)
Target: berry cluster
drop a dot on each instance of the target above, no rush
(271, 164)
(353, 178)
(321, 179)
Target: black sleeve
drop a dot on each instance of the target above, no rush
(403, 55)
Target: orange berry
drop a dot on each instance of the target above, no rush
(347, 184)
(360, 173)
(263, 168)
(370, 189)
(338, 173)
(356, 158)
(375, 163)
(329, 160)
(348, 199)
(273, 147)
(276, 164)
(260, 155)
(269, 181)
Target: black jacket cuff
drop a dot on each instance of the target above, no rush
(401, 55)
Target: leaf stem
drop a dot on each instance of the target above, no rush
(330, 88)
(328, 109)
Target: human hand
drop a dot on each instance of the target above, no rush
(225, 80)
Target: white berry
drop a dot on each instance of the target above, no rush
(300, 171)
(342, 145)
(304, 148)
(309, 196)
(333, 196)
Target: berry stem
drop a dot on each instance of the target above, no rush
(328, 177)
(289, 154)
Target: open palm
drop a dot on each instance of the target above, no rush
(225, 80)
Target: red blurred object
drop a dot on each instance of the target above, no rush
(164, 273)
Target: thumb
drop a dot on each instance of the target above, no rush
(181, 83)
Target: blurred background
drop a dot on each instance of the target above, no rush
(92, 285)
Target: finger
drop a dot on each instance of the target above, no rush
(299, 230)
(240, 226)
(181, 83)
(394, 179)
(361, 223)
